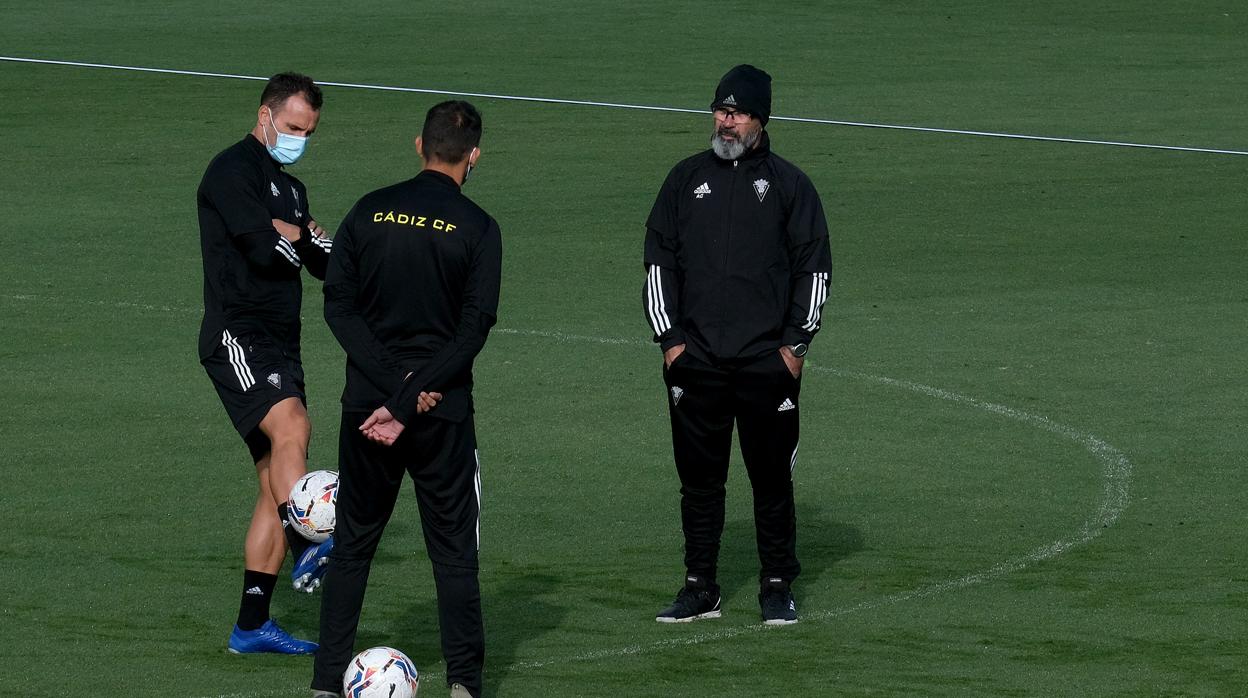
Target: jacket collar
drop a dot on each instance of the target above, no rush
(435, 177)
(255, 146)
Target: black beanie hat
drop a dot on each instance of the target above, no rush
(745, 88)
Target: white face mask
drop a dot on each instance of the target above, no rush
(287, 149)
(469, 170)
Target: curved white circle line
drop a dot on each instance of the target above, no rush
(1115, 475)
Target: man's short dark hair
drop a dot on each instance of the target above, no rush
(283, 86)
(452, 129)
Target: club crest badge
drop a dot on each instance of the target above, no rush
(760, 187)
(273, 188)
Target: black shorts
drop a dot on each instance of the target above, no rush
(251, 374)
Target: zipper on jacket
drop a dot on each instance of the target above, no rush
(732, 195)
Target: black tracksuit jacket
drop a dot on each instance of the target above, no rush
(412, 287)
(737, 257)
(251, 273)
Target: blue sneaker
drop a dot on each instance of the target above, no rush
(306, 574)
(268, 638)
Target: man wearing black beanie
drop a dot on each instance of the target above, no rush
(738, 267)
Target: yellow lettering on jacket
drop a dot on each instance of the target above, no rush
(413, 220)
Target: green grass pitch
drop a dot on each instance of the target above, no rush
(1022, 463)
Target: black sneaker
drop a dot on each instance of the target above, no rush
(776, 600)
(696, 600)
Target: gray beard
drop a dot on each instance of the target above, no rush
(734, 149)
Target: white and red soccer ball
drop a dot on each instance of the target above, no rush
(312, 505)
(381, 672)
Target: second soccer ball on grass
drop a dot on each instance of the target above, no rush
(381, 672)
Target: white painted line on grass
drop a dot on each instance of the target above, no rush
(646, 107)
(117, 305)
(575, 338)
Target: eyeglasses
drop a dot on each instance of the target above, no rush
(731, 115)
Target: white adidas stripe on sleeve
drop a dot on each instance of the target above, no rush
(818, 296)
(288, 251)
(656, 308)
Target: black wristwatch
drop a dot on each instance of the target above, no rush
(799, 350)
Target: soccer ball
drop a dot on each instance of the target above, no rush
(380, 672)
(311, 505)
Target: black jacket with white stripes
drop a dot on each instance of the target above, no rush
(737, 257)
(251, 273)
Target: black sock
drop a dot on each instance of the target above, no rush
(253, 612)
(294, 538)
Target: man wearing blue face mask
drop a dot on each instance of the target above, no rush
(256, 235)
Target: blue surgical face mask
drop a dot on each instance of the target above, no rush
(288, 149)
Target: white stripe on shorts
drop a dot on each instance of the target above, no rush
(238, 360)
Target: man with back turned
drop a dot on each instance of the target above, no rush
(411, 293)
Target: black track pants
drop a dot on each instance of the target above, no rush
(762, 399)
(440, 456)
